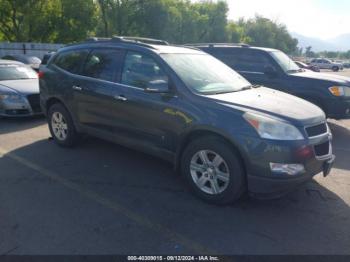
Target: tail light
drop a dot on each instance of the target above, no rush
(40, 74)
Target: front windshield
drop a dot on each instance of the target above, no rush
(285, 62)
(205, 74)
(16, 72)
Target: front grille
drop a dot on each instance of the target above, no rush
(316, 130)
(34, 101)
(322, 149)
(14, 112)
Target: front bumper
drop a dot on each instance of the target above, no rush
(264, 183)
(27, 106)
(266, 187)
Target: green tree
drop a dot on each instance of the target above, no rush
(309, 52)
(47, 20)
(263, 32)
(76, 21)
(177, 21)
(27, 20)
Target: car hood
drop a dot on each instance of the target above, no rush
(274, 104)
(25, 86)
(343, 80)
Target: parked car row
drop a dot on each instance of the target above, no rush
(274, 69)
(232, 118)
(223, 129)
(307, 67)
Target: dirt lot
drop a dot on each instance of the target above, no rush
(101, 198)
(345, 72)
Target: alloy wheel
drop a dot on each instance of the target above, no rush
(59, 126)
(209, 172)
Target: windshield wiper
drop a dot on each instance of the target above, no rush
(294, 71)
(245, 88)
(249, 87)
(231, 91)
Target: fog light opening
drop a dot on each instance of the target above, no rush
(288, 169)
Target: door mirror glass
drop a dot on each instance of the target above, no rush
(270, 71)
(157, 86)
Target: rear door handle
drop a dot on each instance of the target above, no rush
(121, 98)
(78, 88)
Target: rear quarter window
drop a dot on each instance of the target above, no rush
(71, 61)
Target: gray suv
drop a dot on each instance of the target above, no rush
(225, 135)
(324, 63)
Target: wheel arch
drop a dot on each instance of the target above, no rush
(201, 132)
(55, 100)
(51, 101)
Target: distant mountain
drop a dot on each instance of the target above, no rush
(340, 43)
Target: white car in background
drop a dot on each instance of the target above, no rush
(324, 63)
(19, 90)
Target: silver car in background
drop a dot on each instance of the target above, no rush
(324, 63)
(19, 90)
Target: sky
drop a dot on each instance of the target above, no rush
(322, 19)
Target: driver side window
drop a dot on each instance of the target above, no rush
(140, 69)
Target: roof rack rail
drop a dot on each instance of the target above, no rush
(95, 39)
(218, 44)
(147, 42)
(187, 46)
(140, 40)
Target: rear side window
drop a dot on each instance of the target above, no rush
(71, 61)
(103, 64)
(243, 59)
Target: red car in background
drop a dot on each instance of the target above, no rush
(306, 66)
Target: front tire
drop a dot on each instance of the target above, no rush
(61, 126)
(335, 69)
(213, 170)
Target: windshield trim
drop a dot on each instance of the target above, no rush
(281, 65)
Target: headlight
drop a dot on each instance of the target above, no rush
(10, 97)
(340, 90)
(273, 129)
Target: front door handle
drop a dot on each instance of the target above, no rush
(78, 88)
(121, 98)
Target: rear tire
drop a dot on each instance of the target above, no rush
(61, 126)
(213, 170)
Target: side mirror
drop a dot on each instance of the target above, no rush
(157, 86)
(270, 71)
